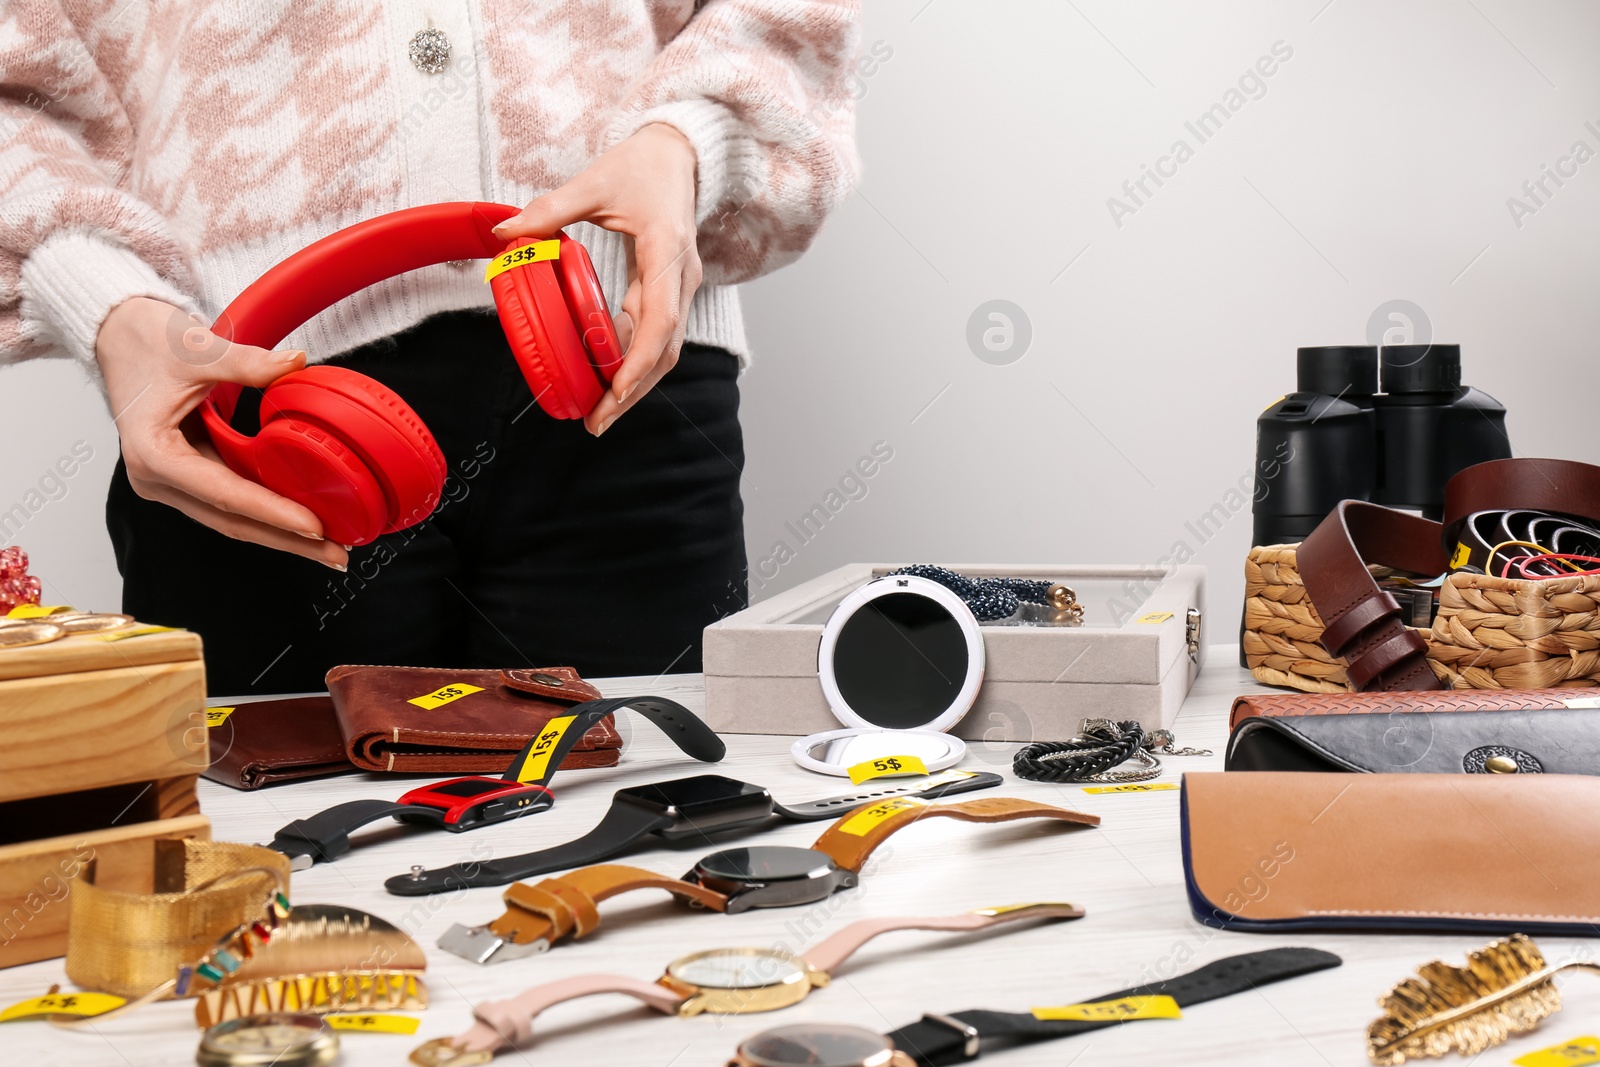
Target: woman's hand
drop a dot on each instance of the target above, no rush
(643, 186)
(158, 364)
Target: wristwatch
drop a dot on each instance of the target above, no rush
(938, 1040)
(732, 880)
(685, 809)
(462, 804)
(726, 981)
(278, 1039)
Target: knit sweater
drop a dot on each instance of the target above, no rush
(176, 149)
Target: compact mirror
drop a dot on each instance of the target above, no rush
(900, 655)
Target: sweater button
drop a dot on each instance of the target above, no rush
(430, 51)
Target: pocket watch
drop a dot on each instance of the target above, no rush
(279, 1039)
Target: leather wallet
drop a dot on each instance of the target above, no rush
(1484, 853)
(435, 720)
(272, 741)
(1549, 741)
(1275, 704)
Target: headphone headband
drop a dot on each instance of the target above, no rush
(340, 265)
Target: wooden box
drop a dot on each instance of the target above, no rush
(100, 746)
(1134, 657)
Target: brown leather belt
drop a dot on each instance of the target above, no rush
(1364, 624)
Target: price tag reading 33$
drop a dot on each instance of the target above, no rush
(538, 252)
(861, 823)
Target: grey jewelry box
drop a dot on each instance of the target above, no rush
(1133, 657)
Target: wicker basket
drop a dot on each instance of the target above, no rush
(1490, 633)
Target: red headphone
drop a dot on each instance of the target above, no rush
(342, 444)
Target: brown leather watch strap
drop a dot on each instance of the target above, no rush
(558, 907)
(850, 840)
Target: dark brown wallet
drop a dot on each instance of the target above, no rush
(272, 741)
(435, 720)
(1271, 705)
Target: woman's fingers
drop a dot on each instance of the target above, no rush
(172, 460)
(581, 198)
(243, 528)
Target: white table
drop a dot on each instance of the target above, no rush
(1127, 874)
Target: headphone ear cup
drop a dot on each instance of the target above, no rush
(312, 467)
(580, 285)
(377, 426)
(544, 339)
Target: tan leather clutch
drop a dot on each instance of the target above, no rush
(1273, 704)
(1485, 853)
(436, 720)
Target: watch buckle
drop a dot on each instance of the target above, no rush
(482, 945)
(969, 1033)
(297, 862)
(443, 1052)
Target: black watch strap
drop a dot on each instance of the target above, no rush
(938, 784)
(539, 758)
(938, 1040)
(326, 835)
(621, 826)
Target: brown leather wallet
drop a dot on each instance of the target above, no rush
(1272, 705)
(1273, 851)
(1365, 625)
(272, 741)
(438, 720)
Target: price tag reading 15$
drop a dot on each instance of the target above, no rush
(886, 767)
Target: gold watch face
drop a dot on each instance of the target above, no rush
(738, 968)
(816, 1045)
(284, 1039)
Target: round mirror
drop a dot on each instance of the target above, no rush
(901, 653)
(836, 751)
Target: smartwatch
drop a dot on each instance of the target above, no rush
(685, 809)
(539, 915)
(461, 804)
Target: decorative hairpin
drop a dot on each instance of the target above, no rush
(1506, 988)
(324, 958)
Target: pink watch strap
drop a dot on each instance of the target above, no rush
(509, 1023)
(833, 951)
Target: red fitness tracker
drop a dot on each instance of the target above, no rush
(468, 803)
(345, 446)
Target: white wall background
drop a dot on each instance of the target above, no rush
(1375, 166)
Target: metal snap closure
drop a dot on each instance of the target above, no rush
(540, 678)
(1500, 759)
(430, 51)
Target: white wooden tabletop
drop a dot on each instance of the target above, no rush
(1127, 874)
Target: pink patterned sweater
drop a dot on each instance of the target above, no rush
(178, 148)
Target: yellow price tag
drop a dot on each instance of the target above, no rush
(1574, 1053)
(134, 631)
(861, 823)
(444, 695)
(1137, 787)
(62, 1004)
(534, 768)
(886, 767)
(374, 1024)
(1459, 559)
(36, 611)
(538, 252)
(1114, 1010)
(217, 716)
(1155, 616)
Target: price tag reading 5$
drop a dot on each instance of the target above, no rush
(886, 767)
(62, 1004)
(1575, 1053)
(374, 1023)
(217, 716)
(1127, 1008)
(444, 695)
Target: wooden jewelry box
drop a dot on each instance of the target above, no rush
(1134, 656)
(101, 741)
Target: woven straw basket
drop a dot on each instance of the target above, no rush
(1490, 633)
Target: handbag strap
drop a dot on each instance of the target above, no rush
(1364, 624)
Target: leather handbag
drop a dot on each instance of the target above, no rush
(1541, 741)
(433, 720)
(1365, 625)
(1273, 705)
(271, 741)
(1483, 853)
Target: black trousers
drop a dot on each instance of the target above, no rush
(551, 547)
